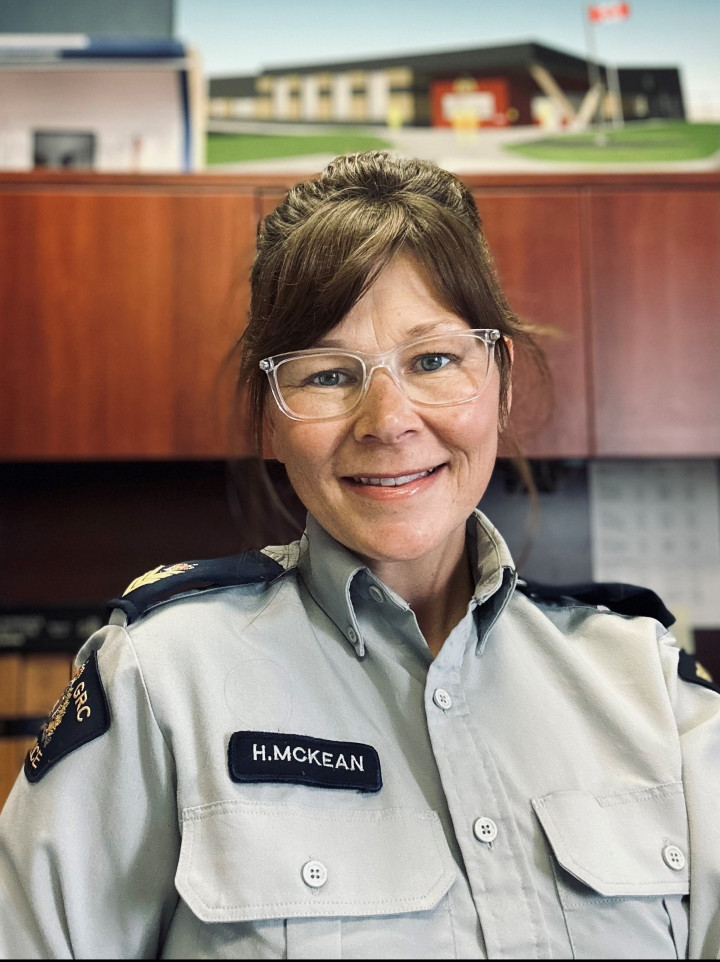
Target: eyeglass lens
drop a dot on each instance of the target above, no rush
(445, 369)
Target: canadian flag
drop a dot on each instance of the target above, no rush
(609, 12)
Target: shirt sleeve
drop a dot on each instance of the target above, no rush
(89, 850)
(697, 711)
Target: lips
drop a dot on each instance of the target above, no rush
(392, 481)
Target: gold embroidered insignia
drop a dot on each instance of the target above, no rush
(702, 672)
(80, 715)
(58, 710)
(157, 574)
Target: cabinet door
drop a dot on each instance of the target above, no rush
(117, 312)
(654, 314)
(535, 241)
(29, 687)
(12, 748)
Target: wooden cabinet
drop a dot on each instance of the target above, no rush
(625, 269)
(535, 239)
(654, 311)
(118, 308)
(120, 298)
(29, 687)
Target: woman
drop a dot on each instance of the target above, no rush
(368, 743)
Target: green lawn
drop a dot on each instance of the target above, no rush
(233, 148)
(635, 143)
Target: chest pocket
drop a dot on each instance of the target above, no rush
(621, 869)
(272, 870)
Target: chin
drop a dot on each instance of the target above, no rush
(388, 544)
(389, 554)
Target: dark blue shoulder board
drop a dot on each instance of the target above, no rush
(620, 598)
(691, 670)
(167, 581)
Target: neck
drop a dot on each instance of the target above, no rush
(437, 588)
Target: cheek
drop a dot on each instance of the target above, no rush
(302, 448)
(284, 436)
(475, 426)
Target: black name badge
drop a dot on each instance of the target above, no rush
(274, 757)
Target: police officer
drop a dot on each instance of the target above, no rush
(374, 742)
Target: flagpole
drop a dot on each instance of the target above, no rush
(591, 47)
(614, 82)
(606, 12)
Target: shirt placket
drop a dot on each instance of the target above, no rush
(495, 861)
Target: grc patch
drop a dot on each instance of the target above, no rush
(80, 714)
(275, 757)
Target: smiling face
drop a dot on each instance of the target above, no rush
(334, 466)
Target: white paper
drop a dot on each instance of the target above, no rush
(657, 524)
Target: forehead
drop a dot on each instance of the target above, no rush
(397, 307)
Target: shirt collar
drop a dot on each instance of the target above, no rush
(331, 571)
(328, 569)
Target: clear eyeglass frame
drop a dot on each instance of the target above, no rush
(388, 360)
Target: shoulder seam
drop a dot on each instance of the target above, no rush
(146, 691)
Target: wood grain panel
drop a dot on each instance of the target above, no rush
(10, 684)
(10, 700)
(119, 311)
(535, 241)
(29, 686)
(73, 327)
(655, 316)
(46, 677)
(12, 758)
(120, 296)
(213, 249)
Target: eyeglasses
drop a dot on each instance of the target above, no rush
(325, 383)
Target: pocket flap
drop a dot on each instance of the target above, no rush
(241, 862)
(618, 844)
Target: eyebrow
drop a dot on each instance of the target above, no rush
(418, 330)
(428, 328)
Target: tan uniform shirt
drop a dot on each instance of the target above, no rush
(549, 785)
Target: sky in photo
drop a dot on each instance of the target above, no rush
(244, 36)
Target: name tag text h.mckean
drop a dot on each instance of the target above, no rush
(279, 757)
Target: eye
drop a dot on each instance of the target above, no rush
(427, 363)
(332, 378)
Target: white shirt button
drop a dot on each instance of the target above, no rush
(314, 874)
(442, 699)
(674, 857)
(484, 829)
(376, 594)
(352, 635)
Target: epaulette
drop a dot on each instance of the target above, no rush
(623, 600)
(168, 581)
(617, 597)
(692, 670)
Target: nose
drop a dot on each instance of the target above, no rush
(386, 413)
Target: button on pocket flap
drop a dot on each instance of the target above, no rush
(626, 844)
(246, 862)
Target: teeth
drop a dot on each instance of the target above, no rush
(393, 482)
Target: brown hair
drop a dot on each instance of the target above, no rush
(325, 244)
(322, 248)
